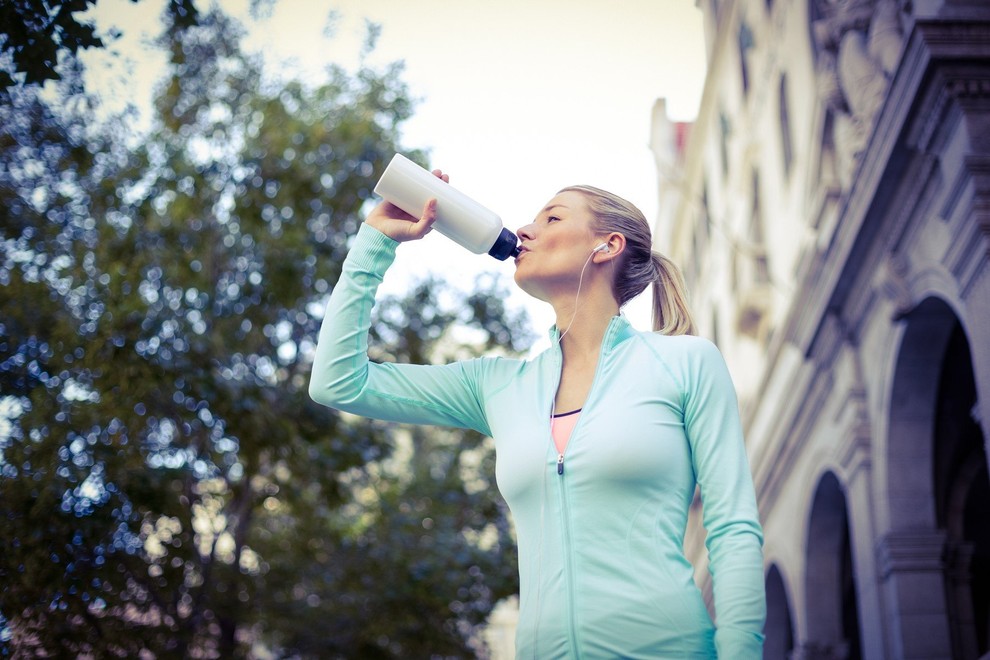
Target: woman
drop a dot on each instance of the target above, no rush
(600, 440)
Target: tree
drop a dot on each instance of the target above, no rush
(37, 33)
(424, 551)
(165, 483)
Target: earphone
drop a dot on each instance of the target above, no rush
(601, 248)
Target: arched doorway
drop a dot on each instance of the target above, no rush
(831, 602)
(962, 501)
(937, 579)
(779, 629)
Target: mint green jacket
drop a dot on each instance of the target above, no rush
(600, 529)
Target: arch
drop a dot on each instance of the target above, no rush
(830, 580)
(779, 629)
(911, 416)
(937, 550)
(962, 500)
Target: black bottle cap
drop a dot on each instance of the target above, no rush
(505, 246)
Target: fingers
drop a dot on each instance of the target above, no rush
(422, 227)
(389, 211)
(440, 175)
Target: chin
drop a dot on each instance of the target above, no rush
(528, 286)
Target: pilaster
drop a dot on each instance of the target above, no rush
(911, 567)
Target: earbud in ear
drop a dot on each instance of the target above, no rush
(601, 248)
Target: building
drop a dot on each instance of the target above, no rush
(830, 207)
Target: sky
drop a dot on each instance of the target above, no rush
(516, 98)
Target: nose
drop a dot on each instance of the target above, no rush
(525, 233)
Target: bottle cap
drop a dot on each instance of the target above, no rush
(505, 246)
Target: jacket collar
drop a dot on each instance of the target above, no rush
(619, 329)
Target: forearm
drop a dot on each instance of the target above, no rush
(739, 592)
(344, 378)
(341, 365)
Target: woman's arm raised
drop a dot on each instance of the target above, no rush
(344, 378)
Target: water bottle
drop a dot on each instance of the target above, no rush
(459, 218)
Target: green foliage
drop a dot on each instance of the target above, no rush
(37, 33)
(166, 485)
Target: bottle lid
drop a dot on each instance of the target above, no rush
(505, 246)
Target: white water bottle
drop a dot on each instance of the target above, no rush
(459, 218)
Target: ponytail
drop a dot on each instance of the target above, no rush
(639, 266)
(671, 314)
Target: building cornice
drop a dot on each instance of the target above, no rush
(944, 64)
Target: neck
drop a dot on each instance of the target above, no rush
(583, 325)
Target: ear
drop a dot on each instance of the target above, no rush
(616, 243)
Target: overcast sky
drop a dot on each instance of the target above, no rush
(518, 98)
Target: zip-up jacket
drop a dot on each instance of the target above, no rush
(600, 527)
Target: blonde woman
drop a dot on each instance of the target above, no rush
(600, 440)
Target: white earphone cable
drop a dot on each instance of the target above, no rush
(543, 483)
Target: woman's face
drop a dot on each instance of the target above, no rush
(555, 247)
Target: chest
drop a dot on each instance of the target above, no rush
(631, 429)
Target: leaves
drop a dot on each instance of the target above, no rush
(38, 34)
(166, 485)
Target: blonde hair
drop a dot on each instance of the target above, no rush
(639, 265)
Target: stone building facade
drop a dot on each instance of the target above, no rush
(830, 207)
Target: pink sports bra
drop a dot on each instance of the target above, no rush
(561, 427)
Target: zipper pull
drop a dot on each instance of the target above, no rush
(560, 464)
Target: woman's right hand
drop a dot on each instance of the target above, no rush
(398, 225)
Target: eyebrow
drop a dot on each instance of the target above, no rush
(553, 206)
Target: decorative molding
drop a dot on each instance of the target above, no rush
(921, 182)
(919, 85)
(968, 256)
(894, 286)
(956, 91)
(955, 39)
(855, 450)
(970, 252)
(828, 340)
(965, 89)
(883, 269)
(820, 651)
(955, 194)
(910, 552)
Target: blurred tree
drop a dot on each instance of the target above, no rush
(35, 34)
(424, 552)
(166, 485)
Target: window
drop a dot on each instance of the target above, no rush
(745, 44)
(785, 127)
(761, 269)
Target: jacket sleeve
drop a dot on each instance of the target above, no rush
(729, 512)
(344, 378)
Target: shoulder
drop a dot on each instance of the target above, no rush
(689, 359)
(494, 371)
(680, 349)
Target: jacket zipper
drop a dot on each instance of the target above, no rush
(565, 524)
(591, 391)
(568, 568)
(564, 507)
